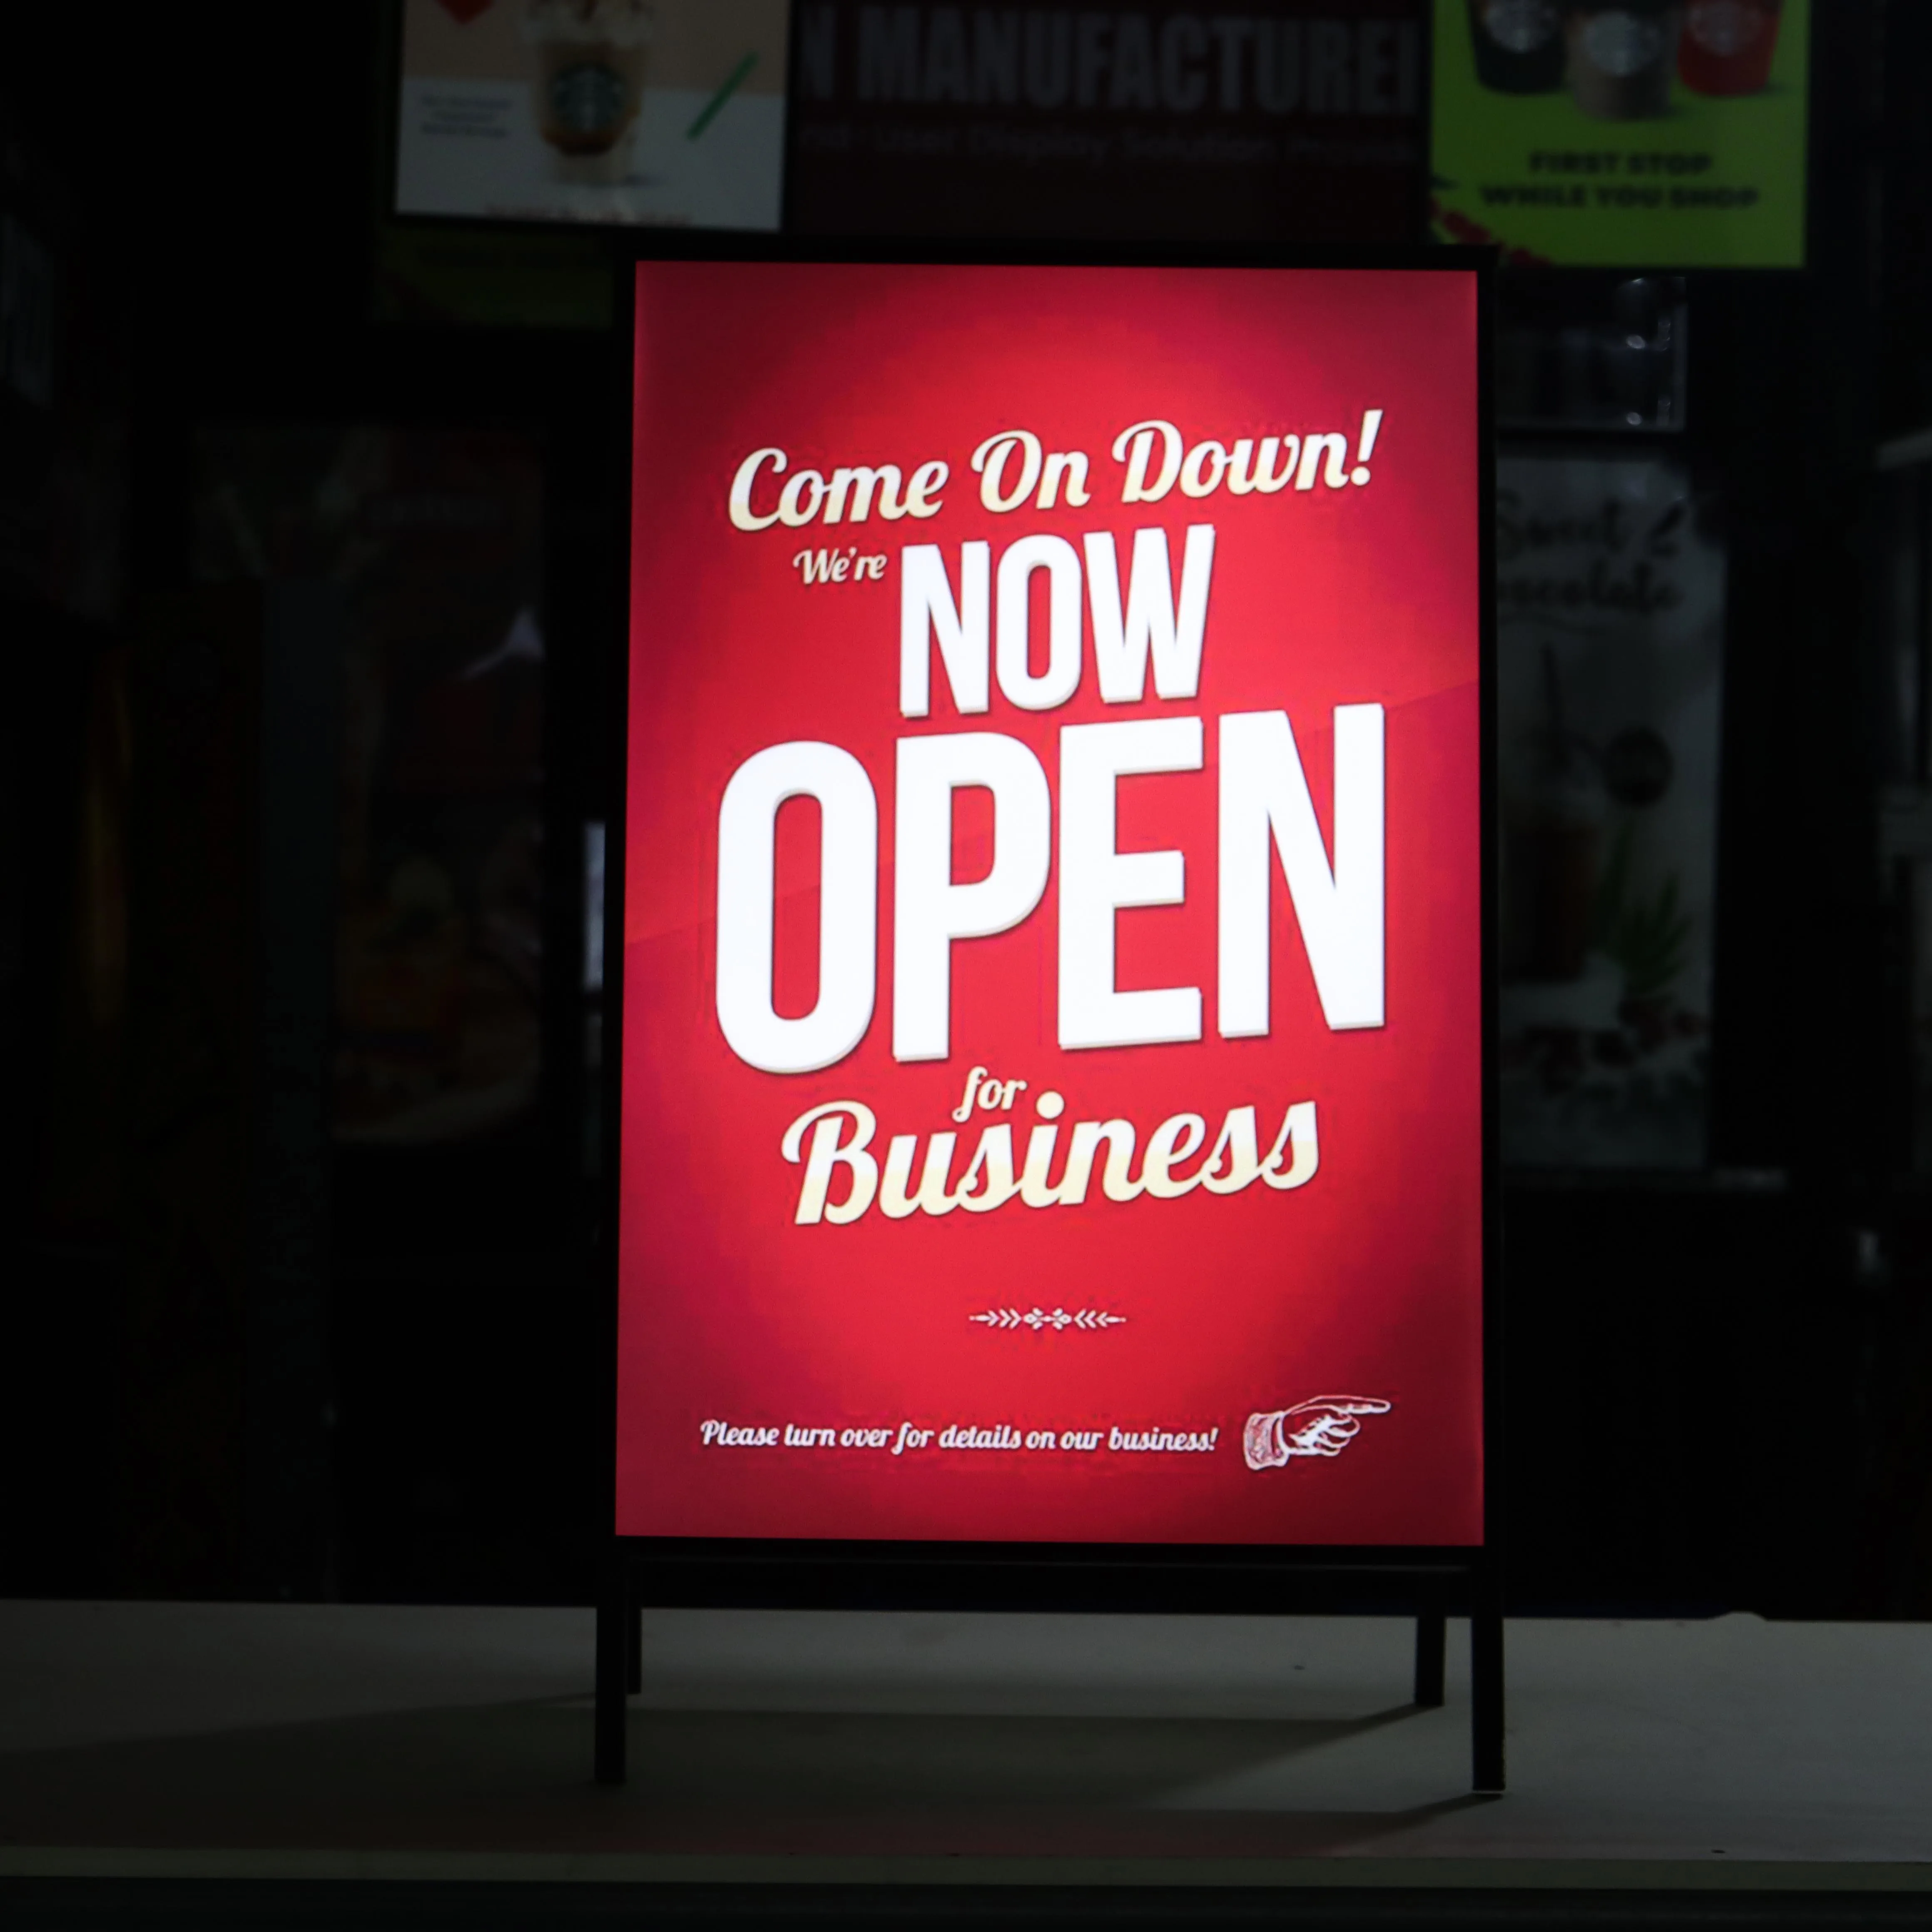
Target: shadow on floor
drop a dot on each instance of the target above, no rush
(515, 1777)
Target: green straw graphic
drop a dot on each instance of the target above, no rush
(732, 81)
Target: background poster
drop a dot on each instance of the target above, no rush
(1256, 1316)
(1286, 120)
(655, 112)
(1612, 591)
(435, 539)
(1624, 133)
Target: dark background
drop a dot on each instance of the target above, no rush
(1720, 1386)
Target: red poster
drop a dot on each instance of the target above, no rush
(1052, 1041)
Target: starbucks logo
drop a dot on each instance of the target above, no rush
(1725, 27)
(588, 98)
(1621, 44)
(1519, 26)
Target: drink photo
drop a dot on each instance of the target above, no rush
(1622, 57)
(1518, 45)
(589, 61)
(1553, 817)
(1728, 45)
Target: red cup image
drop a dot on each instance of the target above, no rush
(1727, 46)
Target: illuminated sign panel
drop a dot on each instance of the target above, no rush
(1052, 1021)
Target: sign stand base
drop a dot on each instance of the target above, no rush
(617, 1644)
(620, 1610)
(1432, 1656)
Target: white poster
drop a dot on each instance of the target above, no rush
(1611, 590)
(658, 112)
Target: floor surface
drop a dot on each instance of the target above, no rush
(233, 1740)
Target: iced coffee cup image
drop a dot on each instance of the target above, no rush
(1553, 833)
(1622, 57)
(1555, 806)
(588, 64)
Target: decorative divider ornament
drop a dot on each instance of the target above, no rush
(1039, 1319)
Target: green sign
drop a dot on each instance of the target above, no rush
(1623, 134)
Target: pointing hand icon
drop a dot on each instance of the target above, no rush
(1324, 1425)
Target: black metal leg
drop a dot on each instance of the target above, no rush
(633, 1647)
(614, 1614)
(1485, 1675)
(1431, 1644)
